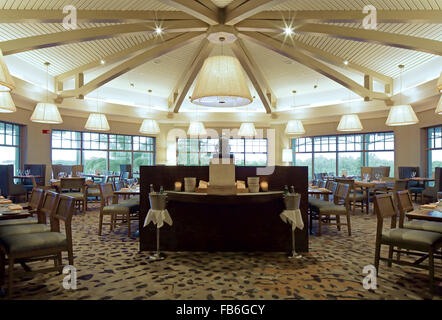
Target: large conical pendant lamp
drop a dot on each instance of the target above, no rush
(350, 122)
(150, 126)
(196, 129)
(6, 103)
(247, 130)
(97, 122)
(402, 114)
(439, 83)
(439, 106)
(6, 80)
(221, 83)
(294, 127)
(46, 112)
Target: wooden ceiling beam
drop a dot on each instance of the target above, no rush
(255, 75)
(195, 9)
(91, 16)
(248, 9)
(185, 83)
(335, 60)
(123, 54)
(296, 55)
(133, 63)
(351, 16)
(89, 34)
(379, 37)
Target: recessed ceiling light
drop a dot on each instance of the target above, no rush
(288, 31)
(102, 62)
(346, 62)
(158, 30)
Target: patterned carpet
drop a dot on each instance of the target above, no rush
(110, 267)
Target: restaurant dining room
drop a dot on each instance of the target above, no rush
(251, 150)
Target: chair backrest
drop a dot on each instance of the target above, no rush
(48, 206)
(125, 168)
(63, 212)
(400, 185)
(322, 184)
(37, 170)
(341, 194)
(438, 178)
(366, 170)
(384, 206)
(75, 169)
(406, 172)
(36, 200)
(403, 199)
(73, 183)
(383, 171)
(119, 184)
(315, 182)
(332, 186)
(439, 196)
(106, 194)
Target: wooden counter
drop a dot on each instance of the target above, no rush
(243, 222)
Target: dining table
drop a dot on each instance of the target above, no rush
(6, 214)
(317, 192)
(426, 213)
(368, 187)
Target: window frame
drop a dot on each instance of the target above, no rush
(364, 147)
(429, 148)
(108, 150)
(18, 139)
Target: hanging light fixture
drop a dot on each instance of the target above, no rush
(196, 129)
(294, 127)
(46, 112)
(247, 130)
(150, 126)
(350, 122)
(6, 103)
(6, 80)
(403, 114)
(221, 83)
(439, 106)
(97, 121)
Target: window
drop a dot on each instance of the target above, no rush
(198, 152)
(434, 149)
(101, 150)
(349, 152)
(10, 144)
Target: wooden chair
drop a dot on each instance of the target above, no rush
(356, 196)
(120, 213)
(34, 207)
(402, 238)
(40, 246)
(338, 208)
(403, 199)
(76, 188)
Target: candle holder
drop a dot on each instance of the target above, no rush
(264, 186)
(178, 186)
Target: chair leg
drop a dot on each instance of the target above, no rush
(390, 255)
(338, 222)
(70, 256)
(431, 268)
(348, 224)
(377, 254)
(354, 207)
(128, 224)
(10, 277)
(100, 223)
(319, 224)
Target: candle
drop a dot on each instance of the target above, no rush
(178, 186)
(264, 186)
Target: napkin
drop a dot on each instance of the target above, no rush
(15, 207)
(323, 189)
(203, 184)
(125, 189)
(314, 187)
(5, 201)
(429, 206)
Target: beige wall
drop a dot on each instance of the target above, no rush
(409, 139)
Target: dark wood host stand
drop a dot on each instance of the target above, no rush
(216, 225)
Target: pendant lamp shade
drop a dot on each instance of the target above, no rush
(401, 115)
(196, 129)
(6, 81)
(97, 122)
(294, 127)
(350, 122)
(150, 127)
(439, 106)
(46, 113)
(221, 83)
(247, 130)
(439, 83)
(6, 103)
